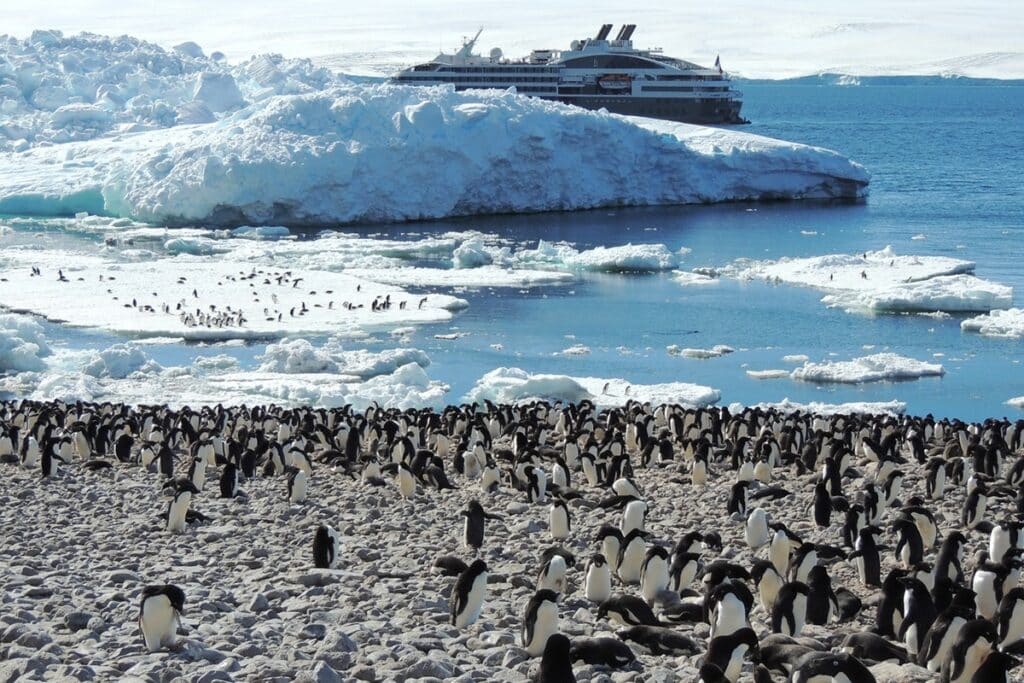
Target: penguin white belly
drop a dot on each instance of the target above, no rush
(610, 549)
(799, 614)
(599, 583)
(730, 617)
(176, 514)
(768, 590)
(763, 472)
(746, 472)
(756, 530)
(559, 523)
(1015, 629)
(985, 590)
(559, 478)
(199, 474)
(803, 570)
(998, 543)
(299, 484)
(699, 473)
(553, 578)
(940, 484)
(735, 665)
(687, 575)
(632, 561)
(541, 493)
(474, 602)
(470, 465)
(406, 483)
(544, 627)
(910, 639)
(589, 471)
(633, 518)
(159, 622)
(778, 553)
(973, 659)
(489, 478)
(654, 579)
(948, 638)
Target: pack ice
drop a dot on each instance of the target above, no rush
(178, 138)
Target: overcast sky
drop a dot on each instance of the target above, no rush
(759, 39)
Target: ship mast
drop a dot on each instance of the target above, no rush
(467, 46)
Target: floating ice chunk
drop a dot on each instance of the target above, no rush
(957, 293)
(120, 361)
(1016, 402)
(616, 392)
(471, 254)
(622, 258)
(574, 350)
(295, 356)
(22, 344)
(703, 354)
(687, 279)
(874, 368)
(189, 49)
(767, 374)
(217, 362)
(264, 232)
(796, 358)
(919, 237)
(483, 276)
(1007, 323)
(819, 408)
(299, 356)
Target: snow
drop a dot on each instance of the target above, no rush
(22, 344)
(688, 279)
(299, 356)
(513, 385)
(714, 352)
(1006, 323)
(621, 258)
(883, 281)
(767, 374)
(119, 361)
(342, 153)
(818, 408)
(485, 276)
(129, 297)
(753, 38)
(471, 254)
(873, 368)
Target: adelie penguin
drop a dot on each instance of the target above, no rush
(229, 481)
(654, 573)
(1010, 620)
(598, 581)
(659, 640)
(467, 599)
(177, 510)
(552, 574)
(540, 621)
(326, 544)
(866, 557)
(298, 482)
(627, 610)
(789, 613)
(830, 667)
(728, 652)
(973, 644)
(631, 556)
(919, 615)
(160, 613)
(610, 652)
(556, 662)
(473, 530)
(559, 522)
(768, 582)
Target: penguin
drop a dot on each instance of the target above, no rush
(853, 523)
(326, 544)
(556, 662)
(768, 582)
(552, 574)
(830, 667)
(659, 640)
(48, 462)
(789, 613)
(598, 581)
(972, 645)
(822, 603)
(1004, 535)
(974, 507)
(738, 500)
(822, 505)
(868, 645)
(909, 545)
(729, 608)
(229, 481)
(559, 522)
(610, 652)
(866, 557)
(654, 575)
(160, 611)
(450, 565)
(949, 562)
(935, 479)
(490, 477)
(473, 530)
(1010, 620)
(627, 610)
(918, 615)
(804, 559)
(631, 556)
(589, 465)
(610, 539)
(942, 635)
(995, 668)
(633, 516)
(468, 594)
(177, 510)
(197, 473)
(728, 652)
(540, 622)
(756, 530)
(297, 484)
(683, 570)
(537, 484)
(924, 520)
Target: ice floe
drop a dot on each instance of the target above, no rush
(574, 350)
(23, 344)
(767, 374)
(883, 281)
(299, 356)
(1016, 402)
(119, 361)
(189, 152)
(873, 368)
(511, 385)
(688, 279)
(714, 352)
(851, 408)
(197, 298)
(1005, 323)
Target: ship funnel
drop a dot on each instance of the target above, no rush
(627, 32)
(603, 33)
(622, 30)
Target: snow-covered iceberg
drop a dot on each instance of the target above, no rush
(883, 281)
(1007, 323)
(821, 408)
(512, 385)
(276, 142)
(873, 368)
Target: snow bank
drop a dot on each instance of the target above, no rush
(196, 298)
(874, 368)
(513, 385)
(364, 153)
(22, 344)
(882, 281)
(119, 361)
(818, 408)
(1007, 323)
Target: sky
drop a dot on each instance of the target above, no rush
(756, 39)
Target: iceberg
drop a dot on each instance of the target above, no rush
(23, 344)
(1016, 402)
(826, 409)
(884, 282)
(1005, 323)
(275, 142)
(873, 368)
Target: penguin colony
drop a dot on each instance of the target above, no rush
(666, 542)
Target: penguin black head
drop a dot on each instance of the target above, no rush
(570, 559)
(174, 595)
(598, 560)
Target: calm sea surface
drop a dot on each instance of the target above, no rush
(947, 162)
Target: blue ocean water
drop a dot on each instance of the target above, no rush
(946, 162)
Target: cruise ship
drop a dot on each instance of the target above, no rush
(595, 73)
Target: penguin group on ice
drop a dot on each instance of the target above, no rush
(704, 544)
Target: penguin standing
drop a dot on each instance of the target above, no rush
(631, 556)
(177, 510)
(822, 505)
(552, 574)
(866, 556)
(918, 615)
(540, 621)
(298, 482)
(559, 521)
(728, 652)
(756, 530)
(160, 612)
(935, 479)
(490, 478)
(909, 545)
(1010, 620)
(556, 662)
(473, 529)
(768, 582)
(610, 539)
(634, 516)
(467, 599)
(789, 613)
(537, 486)
(683, 571)
(942, 635)
(654, 576)
(822, 603)
(229, 481)
(598, 581)
(975, 506)
(326, 544)
(973, 643)
(197, 473)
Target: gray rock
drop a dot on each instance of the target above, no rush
(259, 603)
(76, 621)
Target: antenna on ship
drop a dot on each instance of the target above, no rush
(467, 45)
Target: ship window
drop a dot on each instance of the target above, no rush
(611, 62)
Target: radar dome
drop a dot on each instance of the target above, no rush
(495, 53)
